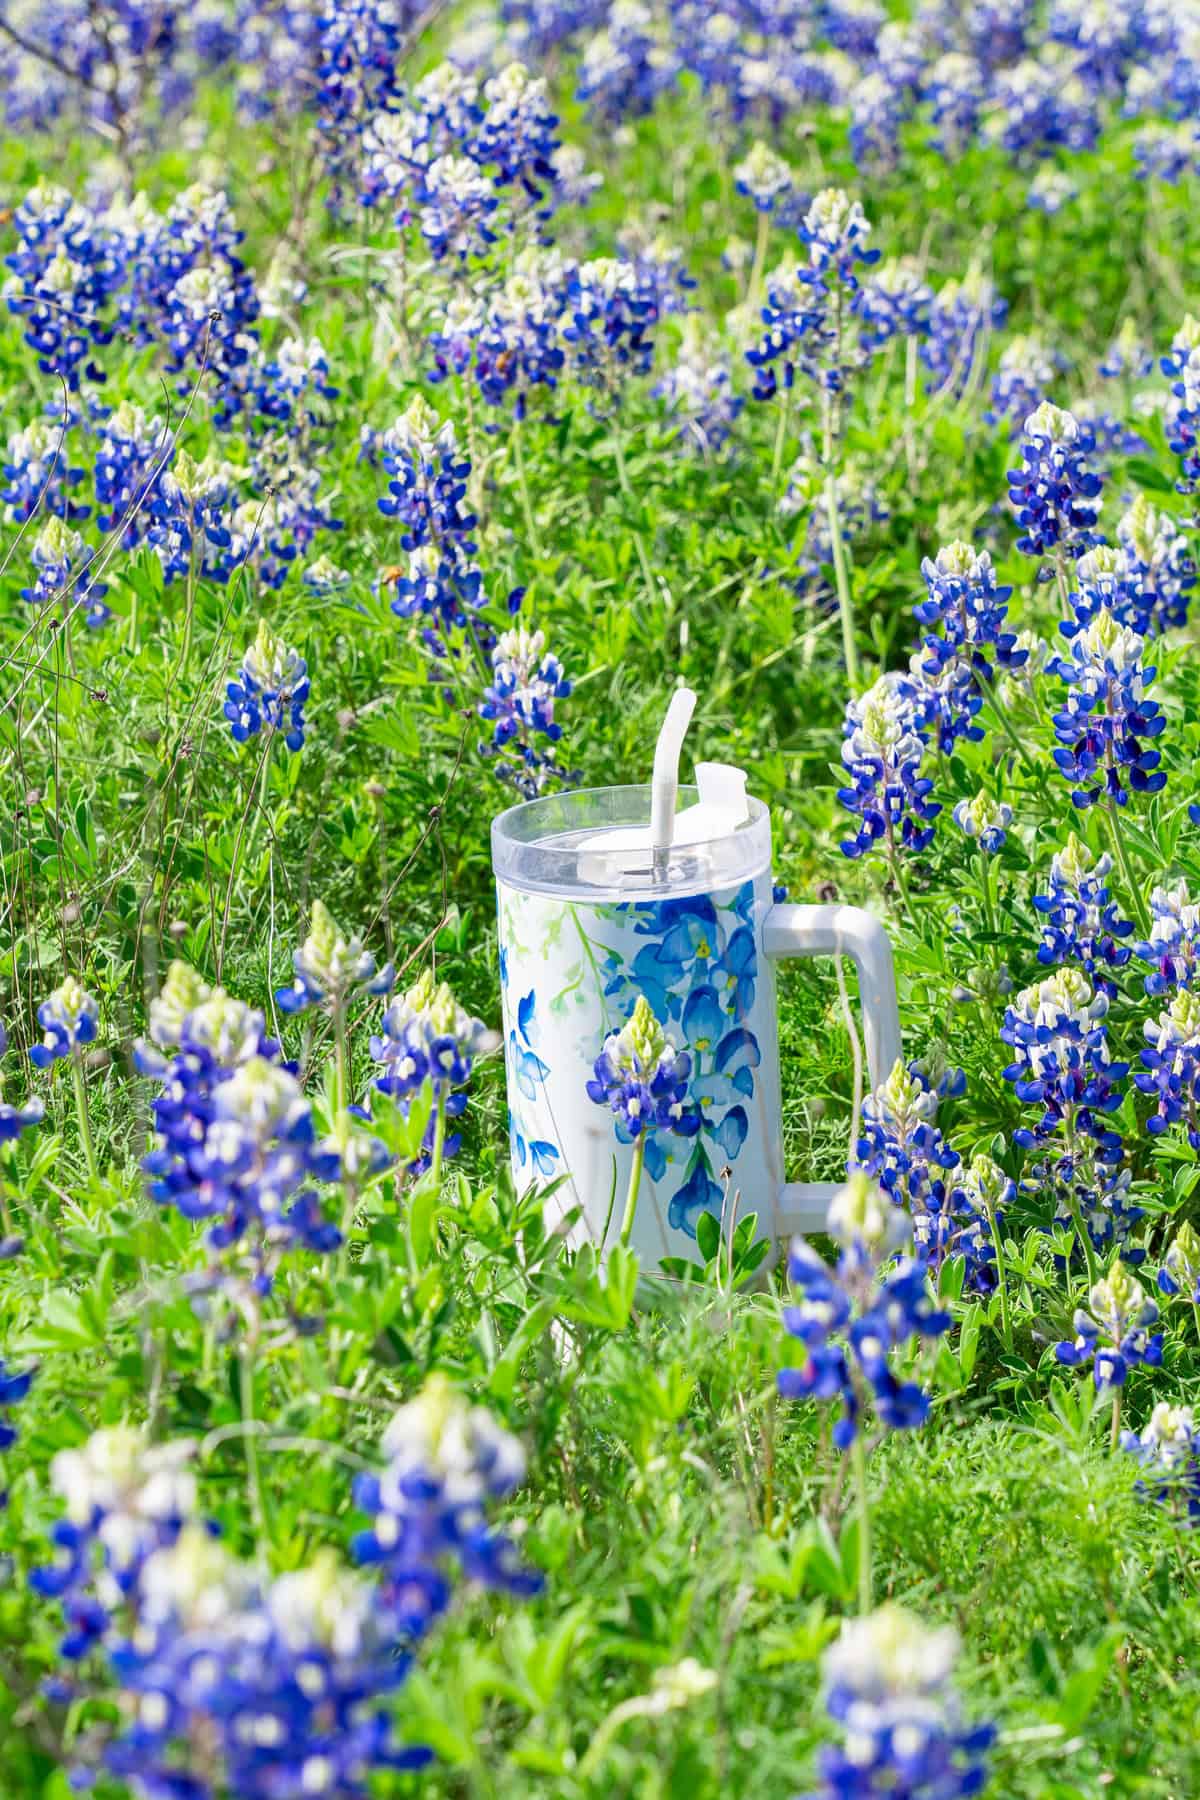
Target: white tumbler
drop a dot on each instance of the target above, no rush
(590, 918)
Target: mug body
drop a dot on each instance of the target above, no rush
(575, 955)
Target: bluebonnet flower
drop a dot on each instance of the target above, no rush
(1171, 1073)
(954, 88)
(429, 480)
(1168, 1450)
(610, 312)
(1173, 947)
(358, 59)
(324, 577)
(878, 109)
(518, 132)
(1055, 493)
(1092, 1192)
(39, 473)
(642, 1079)
(1180, 1272)
(1058, 1032)
(810, 305)
(902, 1149)
(765, 178)
(1114, 1336)
(1127, 357)
(1166, 152)
(446, 1461)
(510, 337)
(200, 298)
(971, 610)
(1025, 375)
(428, 1042)
(1183, 418)
(979, 1199)
(882, 756)
(1050, 190)
(182, 992)
(130, 457)
(853, 26)
(272, 533)
(64, 272)
(850, 1319)
(235, 1141)
(426, 1035)
(1158, 569)
(331, 969)
(68, 1019)
(1082, 923)
(887, 1687)
(455, 205)
(192, 510)
(15, 1119)
(698, 389)
(986, 819)
(902, 51)
(271, 690)
(63, 565)
(1106, 720)
(526, 682)
(290, 385)
(285, 1684)
(963, 316)
(626, 65)
(896, 302)
(125, 1498)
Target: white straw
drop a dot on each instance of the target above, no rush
(664, 786)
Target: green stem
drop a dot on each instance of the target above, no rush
(258, 1511)
(631, 1197)
(991, 690)
(189, 608)
(1114, 1436)
(858, 1458)
(341, 1072)
(619, 458)
(81, 1113)
(781, 424)
(985, 889)
(1196, 1316)
(754, 291)
(132, 631)
(1135, 892)
(439, 1138)
(518, 444)
(1001, 1278)
(1085, 1239)
(841, 575)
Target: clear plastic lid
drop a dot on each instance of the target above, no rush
(550, 846)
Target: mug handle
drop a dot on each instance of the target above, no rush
(838, 931)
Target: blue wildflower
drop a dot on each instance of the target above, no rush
(1114, 1336)
(850, 1318)
(271, 691)
(887, 1687)
(1082, 924)
(1105, 721)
